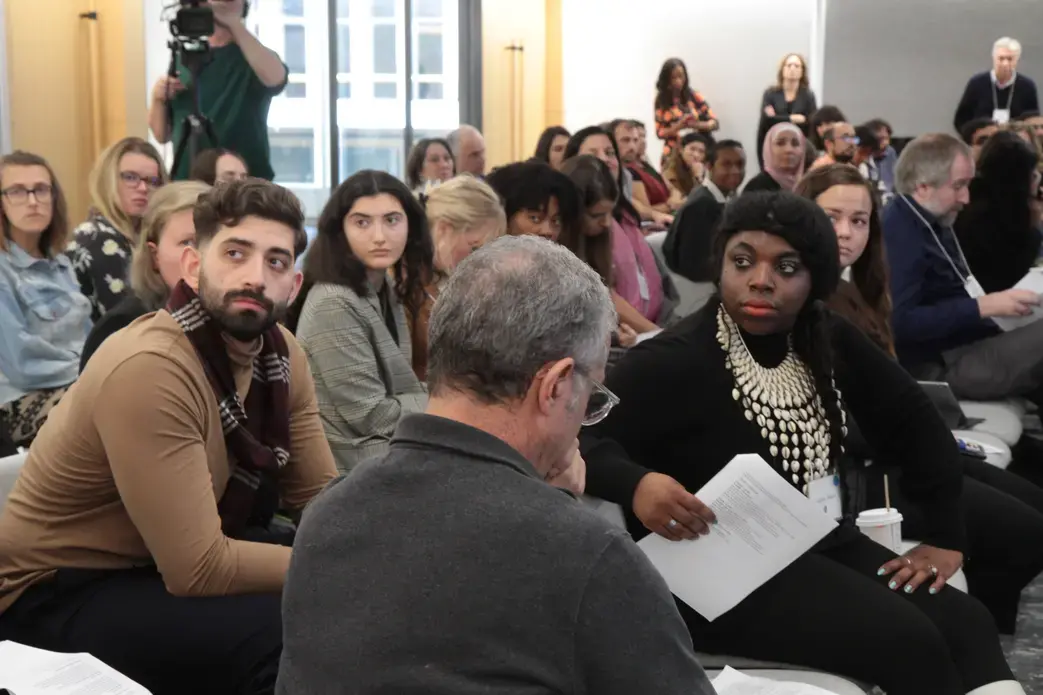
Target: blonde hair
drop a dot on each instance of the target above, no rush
(803, 70)
(463, 203)
(164, 204)
(103, 182)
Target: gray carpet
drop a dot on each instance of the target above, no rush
(1025, 650)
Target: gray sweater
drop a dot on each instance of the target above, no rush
(449, 567)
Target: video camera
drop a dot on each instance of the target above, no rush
(191, 25)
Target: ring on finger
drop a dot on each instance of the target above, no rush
(908, 561)
(934, 571)
(672, 523)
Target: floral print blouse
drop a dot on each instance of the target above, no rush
(100, 255)
(666, 118)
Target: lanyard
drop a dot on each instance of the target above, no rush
(941, 246)
(995, 94)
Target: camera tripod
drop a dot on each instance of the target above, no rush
(195, 126)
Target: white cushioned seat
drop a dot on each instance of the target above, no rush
(1002, 419)
(693, 295)
(826, 681)
(10, 467)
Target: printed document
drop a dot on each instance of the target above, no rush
(732, 682)
(1033, 282)
(29, 671)
(763, 524)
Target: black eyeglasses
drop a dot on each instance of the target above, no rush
(19, 195)
(133, 180)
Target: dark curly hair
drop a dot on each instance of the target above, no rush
(331, 260)
(805, 227)
(623, 206)
(664, 97)
(230, 204)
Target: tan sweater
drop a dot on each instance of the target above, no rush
(129, 466)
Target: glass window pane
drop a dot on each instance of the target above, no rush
(342, 8)
(371, 149)
(429, 54)
(293, 8)
(384, 49)
(296, 90)
(343, 48)
(428, 8)
(295, 52)
(429, 90)
(293, 154)
(385, 90)
(384, 8)
(344, 90)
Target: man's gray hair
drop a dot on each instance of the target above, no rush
(928, 160)
(510, 308)
(456, 135)
(1012, 45)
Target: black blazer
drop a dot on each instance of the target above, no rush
(804, 104)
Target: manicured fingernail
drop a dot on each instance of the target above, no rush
(908, 589)
(892, 586)
(880, 572)
(933, 591)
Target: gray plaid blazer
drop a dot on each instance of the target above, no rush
(364, 380)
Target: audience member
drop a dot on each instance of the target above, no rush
(551, 146)
(685, 168)
(620, 255)
(777, 261)
(678, 107)
(645, 169)
(44, 316)
(430, 162)
(865, 154)
(468, 148)
(1034, 119)
(841, 145)
(218, 165)
(821, 121)
(463, 214)
(519, 341)
(996, 229)
(687, 247)
(1002, 94)
(235, 91)
(155, 267)
(941, 318)
(537, 200)
(976, 132)
(782, 159)
(885, 156)
(120, 184)
(789, 100)
(349, 318)
(143, 528)
(1003, 512)
(649, 188)
(1026, 132)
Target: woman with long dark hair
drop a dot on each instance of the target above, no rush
(550, 148)
(371, 255)
(430, 161)
(765, 360)
(997, 230)
(686, 166)
(1003, 512)
(678, 107)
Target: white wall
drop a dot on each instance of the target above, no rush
(613, 50)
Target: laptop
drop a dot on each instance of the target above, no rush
(945, 401)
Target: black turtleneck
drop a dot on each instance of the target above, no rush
(676, 416)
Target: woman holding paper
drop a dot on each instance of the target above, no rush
(1003, 511)
(763, 361)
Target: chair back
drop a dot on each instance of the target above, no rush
(10, 467)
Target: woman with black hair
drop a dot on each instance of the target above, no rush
(996, 230)
(536, 199)
(766, 360)
(218, 165)
(550, 148)
(430, 161)
(686, 167)
(1003, 511)
(678, 107)
(371, 254)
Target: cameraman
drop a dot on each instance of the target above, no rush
(236, 87)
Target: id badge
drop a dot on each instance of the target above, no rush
(642, 286)
(973, 287)
(824, 493)
(1001, 116)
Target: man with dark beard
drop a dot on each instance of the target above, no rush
(841, 145)
(150, 522)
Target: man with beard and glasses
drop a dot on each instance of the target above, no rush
(841, 145)
(151, 522)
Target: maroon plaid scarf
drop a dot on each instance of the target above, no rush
(257, 436)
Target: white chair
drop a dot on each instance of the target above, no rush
(996, 450)
(1001, 419)
(693, 295)
(10, 467)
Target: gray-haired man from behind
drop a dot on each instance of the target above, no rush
(451, 565)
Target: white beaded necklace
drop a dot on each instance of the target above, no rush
(784, 403)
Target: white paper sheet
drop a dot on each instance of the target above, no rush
(764, 524)
(1033, 282)
(642, 337)
(732, 682)
(29, 671)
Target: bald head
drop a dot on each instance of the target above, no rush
(468, 149)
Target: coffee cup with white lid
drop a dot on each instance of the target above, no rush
(883, 526)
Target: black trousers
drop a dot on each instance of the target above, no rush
(227, 645)
(1004, 520)
(829, 611)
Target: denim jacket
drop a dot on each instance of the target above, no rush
(44, 320)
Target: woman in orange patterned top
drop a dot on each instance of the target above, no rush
(678, 107)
